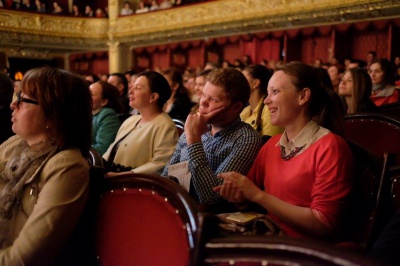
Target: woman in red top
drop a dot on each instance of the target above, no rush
(303, 176)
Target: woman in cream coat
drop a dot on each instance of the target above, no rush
(44, 175)
(145, 142)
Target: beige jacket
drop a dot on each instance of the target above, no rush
(51, 204)
(147, 147)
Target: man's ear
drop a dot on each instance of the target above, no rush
(237, 107)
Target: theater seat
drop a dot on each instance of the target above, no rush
(180, 125)
(146, 220)
(272, 250)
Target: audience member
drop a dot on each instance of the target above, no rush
(27, 6)
(153, 5)
(211, 65)
(215, 140)
(178, 105)
(88, 11)
(226, 64)
(91, 78)
(6, 96)
(127, 9)
(57, 9)
(302, 177)
(383, 89)
(75, 12)
(371, 57)
(44, 174)
(40, 7)
(105, 122)
(142, 8)
(99, 13)
(355, 88)
(165, 4)
(145, 142)
(198, 89)
(335, 73)
(119, 80)
(257, 114)
(238, 64)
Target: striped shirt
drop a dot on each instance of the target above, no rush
(232, 149)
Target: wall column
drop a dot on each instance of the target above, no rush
(117, 52)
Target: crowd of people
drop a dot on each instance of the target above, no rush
(253, 136)
(128, 8)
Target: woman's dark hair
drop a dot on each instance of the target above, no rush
(123, 80)
(66, 102)
(158, 84)
(6, 90)
(177, 78)
(388, 70)
(261, 73)
(362, 87)
(321, 108)
(110, 92)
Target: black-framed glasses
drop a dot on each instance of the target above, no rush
(25, 100)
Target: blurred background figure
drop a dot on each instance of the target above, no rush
(105, 122)
(6, 96)
(383, 90)
(355, 89)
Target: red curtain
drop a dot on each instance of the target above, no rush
(268, 49)
(231, 52)
(196, 57)
(100, 66)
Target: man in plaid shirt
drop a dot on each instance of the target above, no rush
(215, 139)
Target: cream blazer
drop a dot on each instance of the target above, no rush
(147, 147)
(51, 204)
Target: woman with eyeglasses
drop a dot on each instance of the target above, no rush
(44, 175)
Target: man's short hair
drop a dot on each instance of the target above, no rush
(234, 83)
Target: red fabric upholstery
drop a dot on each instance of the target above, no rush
(142, 224)
(140, 228)
(377, 133)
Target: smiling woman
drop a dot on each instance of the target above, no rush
(43, 171)
(303, 176)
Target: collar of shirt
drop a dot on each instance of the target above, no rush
(226, 129)
(304, 137)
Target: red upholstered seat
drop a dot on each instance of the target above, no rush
(146, 220)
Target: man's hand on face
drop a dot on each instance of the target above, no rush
(197, 124)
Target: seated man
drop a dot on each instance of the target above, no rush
(215, 139)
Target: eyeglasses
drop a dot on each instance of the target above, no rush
(25, 100)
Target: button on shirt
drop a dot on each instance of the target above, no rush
(232, 149)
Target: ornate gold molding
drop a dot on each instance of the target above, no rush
(57, 35)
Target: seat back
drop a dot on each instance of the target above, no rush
(273, 250)
(180, 125)
(376, 132)
(146, 220)
(392, 109)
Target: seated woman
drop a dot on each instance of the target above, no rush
(145, 142)
(44, 175)
(257, 114)
(355, 89)
(383, 89)
(303, 176)
(105, 122)
(178, 105)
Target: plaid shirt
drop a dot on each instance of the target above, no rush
(232, 149)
